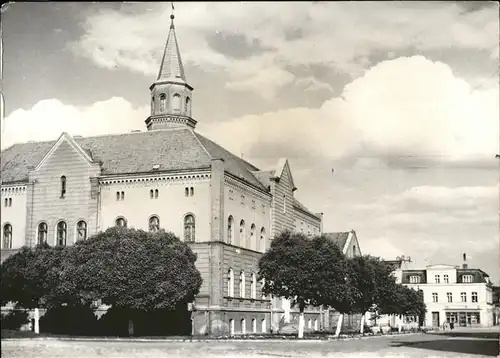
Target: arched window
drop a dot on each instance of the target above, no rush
(154, 223)
(152, 105)
(157, 192)
(254, 325)
(353, 250)
(230, 230)
(253, 286)
(242, 284)
(252, 244)
(262, 240)
(262, 283)
(151, 194)
(189, 226)
(6, 202)
(117, 195)
(187, 106)
(63, 186)
(186, 191)
(42, 233)
(81, 230)
(62, 233)
(176, 103)
(7, 236)
(122, 195)
(163, 102)
(121, 222)
(191, 191)
(263, 325)
(230, 283)
(242, 232)
(243, 326)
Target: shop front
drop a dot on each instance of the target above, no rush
(463, 318)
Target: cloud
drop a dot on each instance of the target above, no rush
(49, 118)
(232, 36)
(410, 107)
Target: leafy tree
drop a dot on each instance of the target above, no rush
(30, 276)
(403, 301)
(307, 271)
(132, 270)
(373, 281)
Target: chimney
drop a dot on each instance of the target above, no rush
(465, 261)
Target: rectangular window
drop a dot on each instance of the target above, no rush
(450, 297)
(463, 297)
(474, 297)
(434, 297)
(467, 278)
(437, 279)
(414, 279)
(446, 279)
(284, 204)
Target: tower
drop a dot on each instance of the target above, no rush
(171, 95)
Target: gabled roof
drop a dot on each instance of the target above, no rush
(137, 152)
(299, 205)
(280, 167)
(339, 238)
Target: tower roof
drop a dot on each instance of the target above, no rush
(171, 68)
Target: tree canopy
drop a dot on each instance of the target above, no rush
(120, 267)
(307, 271)
(132, 269)
(31, 276)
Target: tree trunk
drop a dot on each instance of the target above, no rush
(301, 320)
(362, 329)
(37, 321)
(339, 325)
(400, 319)
(130, 327)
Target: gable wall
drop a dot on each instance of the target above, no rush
(44, 196)
(282, 204)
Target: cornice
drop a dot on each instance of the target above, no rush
(156, 178)
(246, 188)
(13, 189)
(302, 211)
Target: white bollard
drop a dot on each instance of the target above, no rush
(37, 319)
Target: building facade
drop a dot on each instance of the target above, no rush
(453, 294)
(169, 177)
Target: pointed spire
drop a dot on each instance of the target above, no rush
(171, 68)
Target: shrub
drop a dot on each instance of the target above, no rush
(15, 319)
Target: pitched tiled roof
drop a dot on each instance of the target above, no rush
(339, 238)
(137, 152)
(299, 205)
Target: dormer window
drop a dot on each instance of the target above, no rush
(467, 278)
(163, 102)
(63, 186)
(414, 279)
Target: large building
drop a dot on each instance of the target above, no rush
(168, 176)
(457, 294)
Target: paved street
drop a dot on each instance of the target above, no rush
(469, 343)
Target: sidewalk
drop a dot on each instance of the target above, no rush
(214, 339)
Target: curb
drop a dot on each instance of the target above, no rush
(198, 340)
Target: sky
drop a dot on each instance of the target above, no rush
(388, 112)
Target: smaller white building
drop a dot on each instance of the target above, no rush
(453, 294)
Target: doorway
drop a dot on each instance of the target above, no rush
(435, 319)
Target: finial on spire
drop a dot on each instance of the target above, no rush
(172, 17)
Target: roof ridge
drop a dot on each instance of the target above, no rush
(201, 144)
